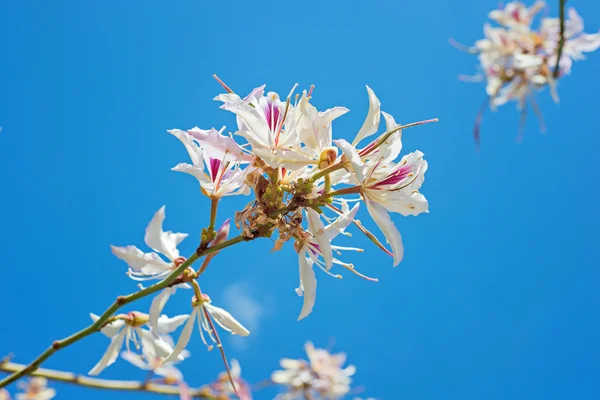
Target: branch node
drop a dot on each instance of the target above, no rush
(56, 345)
(121, 300)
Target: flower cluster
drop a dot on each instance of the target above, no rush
(322, 376)
(307, 189)
(292, 164)
(294, 167)
(516, 58)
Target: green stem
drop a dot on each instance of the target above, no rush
(348, 190)
(561, 40)
(327, 171)
(327, 187)
(119, 302)
(130, 386)
(214, 205)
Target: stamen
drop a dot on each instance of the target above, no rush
(287, 106)
(310, 90)
(220, 346)
(350, 268)
(379, 141)
(222, 83)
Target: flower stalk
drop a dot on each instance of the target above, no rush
(561, 40)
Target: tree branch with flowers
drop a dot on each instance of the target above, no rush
(306, 188)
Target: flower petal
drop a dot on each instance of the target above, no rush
(163, 242)
(218, 146)
(138, 260)
(352, 154)
(110, 329)
(192, 148)
(341, 223)
(135, 359)
(158, 303)
(184, 337)
(317, 228)
(371, 124)
(168, 325)
(384, 222)
(226, 320)
(308, 283)
(111, 354)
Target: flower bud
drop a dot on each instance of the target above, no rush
(222, 232)
(327, 157)
(137, 318)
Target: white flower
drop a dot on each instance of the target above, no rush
(222, 157)
(269, 125)
(384, 185)
(35, 389)
(323, 375)
(145, 266)
(128, 328)
(201, 310)
(316, 244)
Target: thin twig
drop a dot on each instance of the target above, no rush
(81, 380)
(561, 40)
(119, 302)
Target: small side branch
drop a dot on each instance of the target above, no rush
(127, 386)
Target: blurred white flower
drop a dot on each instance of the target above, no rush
(323, 375)
(35, 389)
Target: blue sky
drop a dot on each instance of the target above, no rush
(497, 295)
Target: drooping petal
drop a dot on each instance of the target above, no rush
(111, 329)
(163, 242)
(167, 325)
(135, 359)
(111, 354)
(185, 336)
(385, 223)
(308, 283)
(317, 228)
(226, 320)
(140, 261)
(158, 303)
(371, 124)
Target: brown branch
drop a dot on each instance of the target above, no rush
(117, 385)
